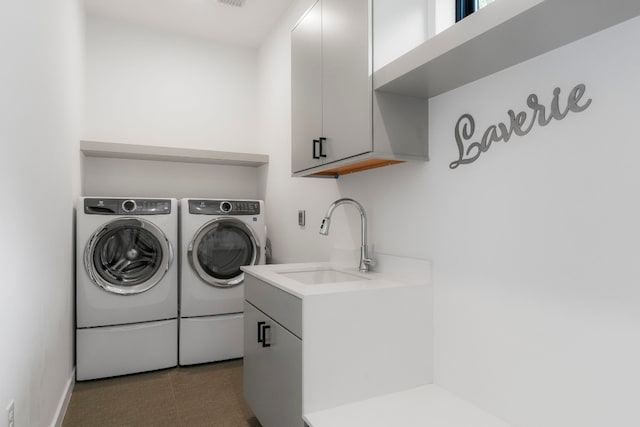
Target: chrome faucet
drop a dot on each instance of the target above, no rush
(365, 261)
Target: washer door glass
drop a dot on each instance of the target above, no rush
(220, 248)
(128, 256)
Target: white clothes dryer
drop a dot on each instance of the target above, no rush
(126, 286)
(217, 238)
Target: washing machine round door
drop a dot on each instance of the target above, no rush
(219, 248)
(128, 256)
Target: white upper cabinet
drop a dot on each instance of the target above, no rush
(338, 125)
(306, 90)
(346, 78)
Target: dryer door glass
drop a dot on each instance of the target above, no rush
(220, 248)
(128, 256)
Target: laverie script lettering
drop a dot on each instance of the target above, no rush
(519, 124)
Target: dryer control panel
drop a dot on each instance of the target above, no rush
(224, 207)
(108, 206)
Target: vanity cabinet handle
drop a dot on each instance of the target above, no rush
(260, 331)
(315, 143)
(262, 335)
(321, 143)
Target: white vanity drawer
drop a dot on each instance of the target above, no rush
(281, 306)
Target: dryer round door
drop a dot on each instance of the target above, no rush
(219, 248)
(128, 256)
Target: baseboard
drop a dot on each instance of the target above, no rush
(64, 401)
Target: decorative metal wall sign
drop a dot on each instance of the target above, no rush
(519, 124)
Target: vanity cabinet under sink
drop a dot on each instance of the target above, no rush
(319, 336)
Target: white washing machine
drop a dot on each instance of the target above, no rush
(217, 238)
(126, 286)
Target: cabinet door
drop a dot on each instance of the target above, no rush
(306, 90)
(347, 84)
(273, 374)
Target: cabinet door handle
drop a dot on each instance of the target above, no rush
(321, 143)
(264, 336)
(260, 332)
(315, 143)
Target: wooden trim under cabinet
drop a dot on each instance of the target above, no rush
(357, 167)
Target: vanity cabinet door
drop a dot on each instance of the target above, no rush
(272, 370)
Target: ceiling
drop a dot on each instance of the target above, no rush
(247, 25)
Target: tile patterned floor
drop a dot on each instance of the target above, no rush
(192, 396)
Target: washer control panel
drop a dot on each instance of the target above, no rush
(224, 207)
(108, 206)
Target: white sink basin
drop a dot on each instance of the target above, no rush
(316, 277)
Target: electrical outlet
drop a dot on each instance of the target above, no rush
(11, 414)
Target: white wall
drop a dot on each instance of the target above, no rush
(40, 82)
(399, 29)
(147, 86)
(534, 246)
(401, 25)
(151, 87)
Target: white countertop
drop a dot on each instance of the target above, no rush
(368, 281)
(425, 406)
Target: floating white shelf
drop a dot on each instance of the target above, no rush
(170, 154)
(503, 34)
